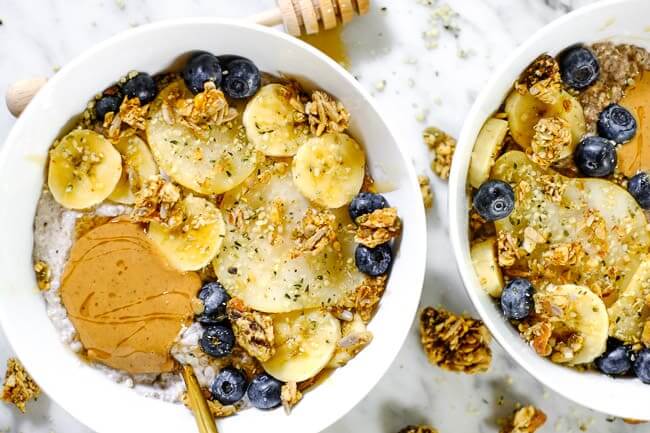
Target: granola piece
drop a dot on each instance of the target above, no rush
(208, 107)
(354, 338)
(134, 114)
(565, 350)
(326, 114)
(541, 79)
(378, 227)
(157, 201)
(455, 343)
(418, 429)
(19, 387)
(366, 297)
(564, 254)
(531, 238)
(442, 146)
(525, 420)
(507, 249)
(112, 126)
(316, 230)
(253, 330)
(552, 135)
(290, 396)
(43, 275)
(425, 190)
(539, 336)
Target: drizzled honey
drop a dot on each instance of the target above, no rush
(331, 43)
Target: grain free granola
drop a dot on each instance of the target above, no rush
(442, 146)
(527, 419)
(18, 388)
(378, 227)
(425, 191)
(418, 429)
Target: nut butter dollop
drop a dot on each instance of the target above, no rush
(635, 155)
(127, 304)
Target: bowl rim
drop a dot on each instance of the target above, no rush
(418, 222)
(458, 193)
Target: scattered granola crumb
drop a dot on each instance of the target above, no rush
(442, 145)
(525, 420)
(121, 4)
(43, 275)
(418, 429)
(425, 190)
(380, 85)
(442, 17)
(253, 330)
(551, 137)
(455, 343)
(290, 396)
(19, 387)
(378, 227)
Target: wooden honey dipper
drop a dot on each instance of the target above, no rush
(298, 16)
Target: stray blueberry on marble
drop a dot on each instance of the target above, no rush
(494, 200)
(242, 79)
(217, 341)
(642, 366)
(639, 187)
(365, 203)
(201, 68)
(108, 104)
(142, 86)
(374, 261)
(229, 386)
(517, 299)
(617, 359)
(264, 392)
(579, 67)
(214, 298)
(616, 123)
(595, 157)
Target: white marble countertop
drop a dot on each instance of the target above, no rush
(423, 86)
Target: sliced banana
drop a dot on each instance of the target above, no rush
(587, 315)
(211, 162)
(271, 122)
(487, 147)
(304, 344)
(197, 241)
(524, 111)
(628, 315)
(329, 169)
(486, 266)
(84, 169)
(137, 165)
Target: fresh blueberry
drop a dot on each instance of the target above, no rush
(242, 79)
(217, 341)
(494, 200)
(200, 69)
(616, 123)
(642, 366)
(214, 298)
(373, 261)
(229, 386)
(579, 67)
(141, 86)
(595, 157)
(517, 299)
(264, 392)
(107, 104)
(639, 187)
(366, 202)
(617, 359)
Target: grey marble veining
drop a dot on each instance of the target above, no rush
(422, 86)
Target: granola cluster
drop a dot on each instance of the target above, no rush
(131, 114)
(325, 113)
(418, 429)
(367, 296)
(541, 79)
(19, 387)
(552, 136)
(425, 190)
(455, 343)
(316, 230)
(442, 145)
(253, 330)
(290, 396)
(378, 227)
(528, 419)
(43, 275)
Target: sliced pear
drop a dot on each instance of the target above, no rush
(486, 148)
(137, 165)
(627, 316)
(486, 266)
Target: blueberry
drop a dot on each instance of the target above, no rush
(494, 200)
(364, 203)
(579, 67)
(642, 366)
(373, 261)
(517, 299)
(142, 86)
(229, 386)
(242, 79)
(639, 187)
(214, 298)
(201, 68)
(617, 359)
(595, 157)
(616, 123)
(217, 341)
(264, 392)
(107, 104)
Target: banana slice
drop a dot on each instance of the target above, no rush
(487, 147)
(270, 122)
(524, 111)
(304, 343)
(138, 165)
(209, 162)
(194, 245)
(84, 169)
(586, 315)
(486, 266)
(329, 169)
(628, 315)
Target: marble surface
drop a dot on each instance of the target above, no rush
(416, 84)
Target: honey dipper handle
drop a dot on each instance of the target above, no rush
(268, 18)
(21, 92)
(204, 418)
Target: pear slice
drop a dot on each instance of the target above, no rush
(627, 316)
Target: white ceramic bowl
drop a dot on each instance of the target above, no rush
(83, 391)
(620, 21)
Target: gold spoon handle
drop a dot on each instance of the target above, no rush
(204, 419)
